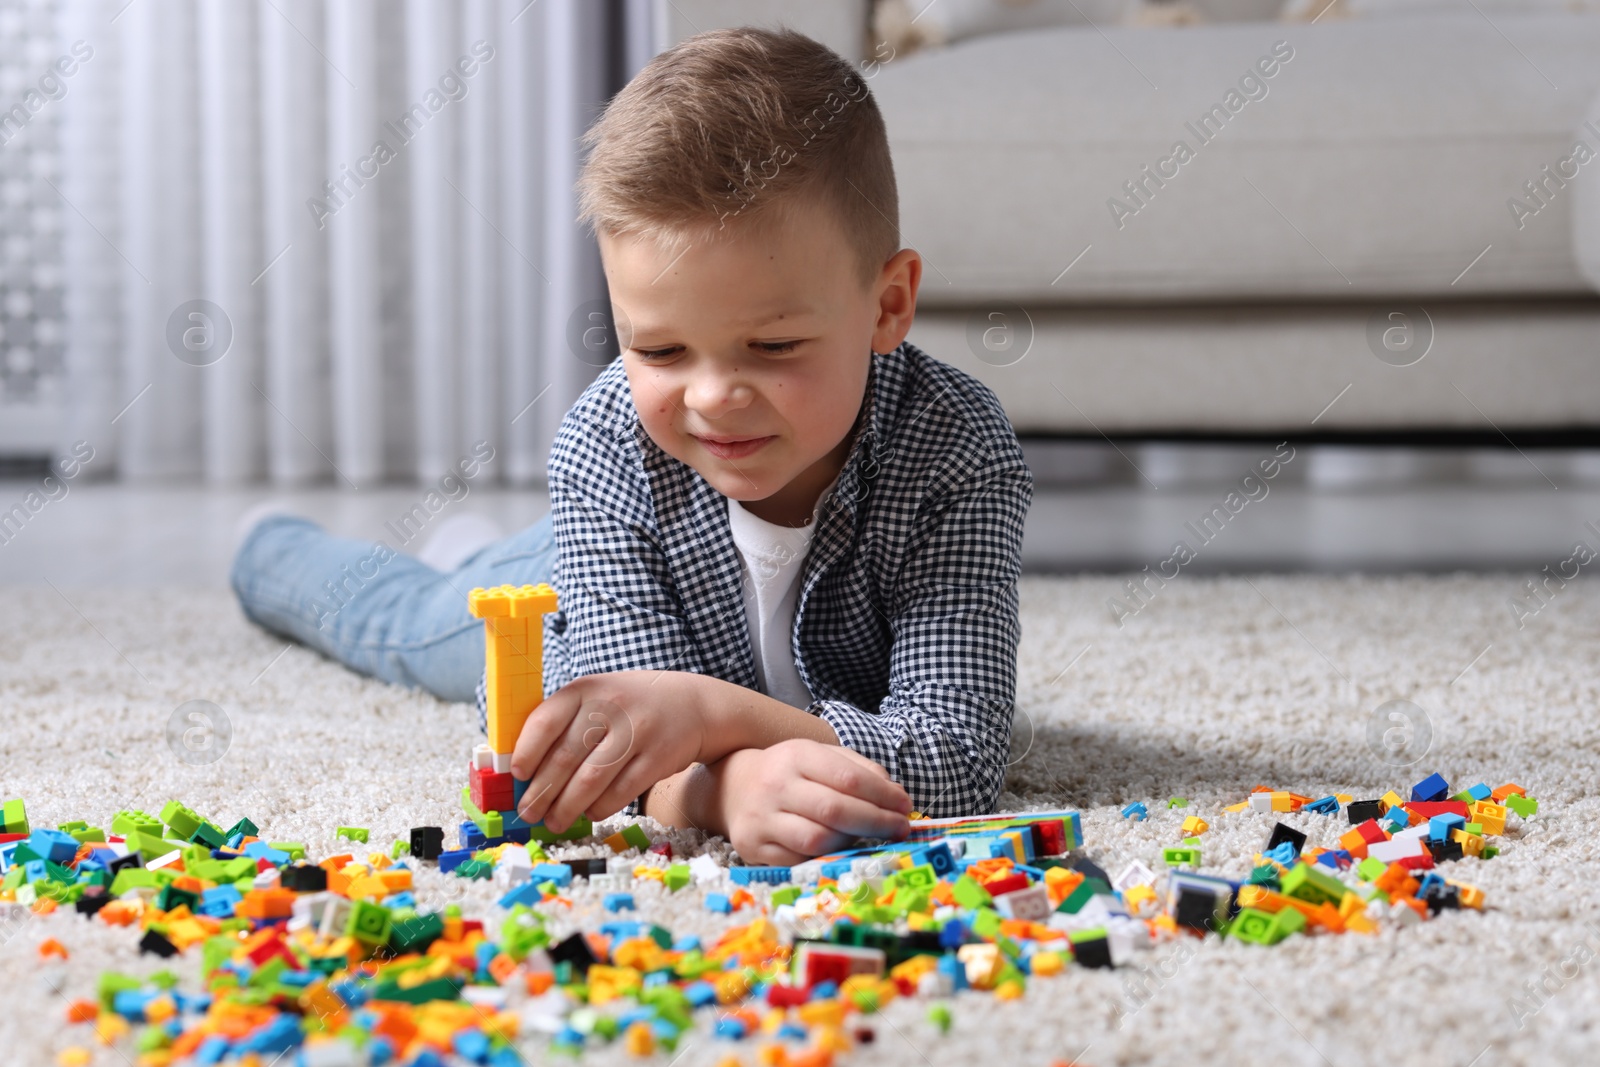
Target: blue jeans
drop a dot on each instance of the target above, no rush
(376, 610)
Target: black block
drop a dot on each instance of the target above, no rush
(156, 942)
(574, 950)
(1360, 811)
(427, 842)
(303, 878)
(588, 868)
(1282, 833)
(1445, 850)
(1096, 953)
(1196, 909)
(1440, 896)
(94, 898)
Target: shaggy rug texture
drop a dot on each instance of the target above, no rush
(1210, 687)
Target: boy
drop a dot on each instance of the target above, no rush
(787, 542)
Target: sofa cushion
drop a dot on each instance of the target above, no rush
(1381, 156)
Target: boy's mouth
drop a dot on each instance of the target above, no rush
(731, 447)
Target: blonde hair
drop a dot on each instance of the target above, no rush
(742, 125)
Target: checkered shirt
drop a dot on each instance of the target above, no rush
(906, 626)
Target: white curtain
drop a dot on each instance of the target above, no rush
(329, 240)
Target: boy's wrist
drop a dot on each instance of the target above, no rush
(733, 717)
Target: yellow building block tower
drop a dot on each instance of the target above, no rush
(513, 623)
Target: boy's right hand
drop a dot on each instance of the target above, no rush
(801, 798)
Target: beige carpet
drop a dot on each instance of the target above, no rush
(1215, 686)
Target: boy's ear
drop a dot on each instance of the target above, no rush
(897, 287)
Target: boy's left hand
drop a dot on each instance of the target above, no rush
(601, 740)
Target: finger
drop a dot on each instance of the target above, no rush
(544, 728)
(851, 773)
(846, 815)
(607, 752)
(629, 784)
(792, 838)
(551, 776)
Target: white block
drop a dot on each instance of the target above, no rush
(705, 869)
(502, 763)
(492, 998)
(483, 758)
(335, 1053)
(1031, 904)
(1397, 849)
(335, 917)
(1133, 874)
(1261, 802)
(165, 861)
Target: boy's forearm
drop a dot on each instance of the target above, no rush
(736, 717)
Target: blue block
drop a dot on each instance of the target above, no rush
(559, 873)
(686, 943)
(526, 893)
(5, 854)
(1431, 788)
(279, 1035)
(619, 902)
(953, 934)
(471, 1044)
(130, 1004)
(700, 993)
(834, 868)
(1397, 818)
(1439, 826)
(767, 875)
(449, 861)
(1325, 806)
(718, 902)
(211, 1050)
(260, 850)
(953, 967)
(219, 901)
(1337, 858)
(730, 1028)
(792, 1030)
(621, 929)
(936, 856)
(1136, 811)
(403, 899)
(1284, 853)
(1480, 792)
(53, 845)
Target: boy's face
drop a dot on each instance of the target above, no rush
(762, 336)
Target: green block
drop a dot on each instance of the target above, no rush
(1489, 852)
(1081, 895)
(1369, 869)
(124, 822)
(55, 872)
(1177, 857)
(182, 821)
(295, 849)
(112, 983)
(1465, 795)
(475, 869)
(634, 835)
(1265, 875)
(1192, 842)
(1523, 806)
(15, 818)
(84, 835)
(939, 1016)
(369, 923)
(969, 892)
(1253, 925)
(149, 846)
(986, 922)
(131, 878)
(922, 876)
(23, 854)
(1305, 882)
(1473, 828)
(353, 833)
(580, 828)
(209, 835)
(171, 896)
(68, 827)
(1286, 922)
(244, 827)
(437, 989)
(400, 848)
(1095, 933)
(784, 895)
(1178, 802)
(266, 975)
(490, 822)
(214, 952)
(678, 876)
(913, 900)
(415, 934)
(863, 894)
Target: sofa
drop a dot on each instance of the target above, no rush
(1385, 225)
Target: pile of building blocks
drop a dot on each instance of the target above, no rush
(336, 960)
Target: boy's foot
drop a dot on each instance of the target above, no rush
(251, 518)
(457, 539)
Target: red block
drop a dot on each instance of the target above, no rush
(825, 967)
(786, 996)
(1053, 834)
(493, 790)
(1371, 832)
(1420, 862)
(1429, 808)
(1009, 884)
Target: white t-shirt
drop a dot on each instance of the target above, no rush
(771, 558)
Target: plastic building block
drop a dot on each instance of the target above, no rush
(513, 622)
(767, 875)
(1324, 806)
(369, 923)
(1178, 802)
(14, 818)
(1282, 834)
(1305, 882)
(619, 902)
(352, 833)
(1433, 787)
(1179, 857)
(427, 842)
(1522, 805)
(718, 902)
(1136, 811)
(1194, 824)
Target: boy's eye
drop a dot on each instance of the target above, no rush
(774, 347)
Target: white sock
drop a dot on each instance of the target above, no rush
(455, 540)
(249, 520)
